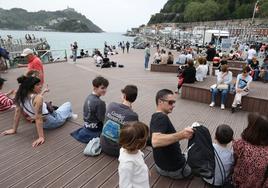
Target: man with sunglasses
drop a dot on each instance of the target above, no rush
(165, 139)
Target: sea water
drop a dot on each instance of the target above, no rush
(63, 40)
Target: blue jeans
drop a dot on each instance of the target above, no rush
(256, 74)
(58, 117)
(146, 62)
(224, 93)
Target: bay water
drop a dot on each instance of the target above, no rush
(62, 40)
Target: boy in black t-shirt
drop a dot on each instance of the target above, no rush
(167, 154)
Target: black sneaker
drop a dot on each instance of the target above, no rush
(239, 106)
(233, 109)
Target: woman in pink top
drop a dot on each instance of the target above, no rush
(251, 154)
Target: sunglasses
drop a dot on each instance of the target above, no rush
(170, 102)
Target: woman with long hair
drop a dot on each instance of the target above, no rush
(29, 102)
(251, 154)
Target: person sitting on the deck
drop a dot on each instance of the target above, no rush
(201, 70)
(82, 53)
(117, 115)
(98, 58)
(157, 57)
(264, 70)
(29, 99)
(94, 112)
(5, 101)
(164, 57)
(181, 59)
(170, 58)
(254, 68)
(224, 159)
(241, 87)
(187, 75)
(224, 79)
(165, 139)
(132, 170)
(251, 154)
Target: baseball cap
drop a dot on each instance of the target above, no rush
(27, 51)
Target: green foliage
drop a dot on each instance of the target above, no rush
(72, 21)
(207, 10)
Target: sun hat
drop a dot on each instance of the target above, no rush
(27, 51)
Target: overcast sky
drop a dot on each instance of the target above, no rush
(110, 15)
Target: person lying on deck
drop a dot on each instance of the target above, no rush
(29, 100)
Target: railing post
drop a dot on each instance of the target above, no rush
(65, 51)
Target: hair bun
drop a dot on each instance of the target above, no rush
(21, 79)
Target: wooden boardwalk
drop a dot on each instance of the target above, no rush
(60, 161)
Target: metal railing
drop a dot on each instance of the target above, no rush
(46, 56)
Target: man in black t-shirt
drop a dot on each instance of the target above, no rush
(165, 139)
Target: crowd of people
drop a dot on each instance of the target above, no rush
(195, 65)
(122, 135)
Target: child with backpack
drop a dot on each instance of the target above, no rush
(224, 159)
(132, 169)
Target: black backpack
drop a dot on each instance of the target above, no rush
(201, 156)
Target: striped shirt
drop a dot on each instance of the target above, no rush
(5, 102)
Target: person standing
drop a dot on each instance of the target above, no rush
(165, 139)
(34, 63)
(123, 47)
(147, 56)
(127, 45)
(211, 53)
(75, 48)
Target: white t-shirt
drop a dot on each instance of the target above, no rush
(99, 60)
(201, 72)
(133, 172)
(251, 53)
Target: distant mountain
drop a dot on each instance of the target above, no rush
(208, 10)
(67, 20)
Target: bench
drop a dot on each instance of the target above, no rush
(237, 64)
(256, 101)
(173, 68)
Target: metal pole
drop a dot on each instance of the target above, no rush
(252, 20)
(204, 36)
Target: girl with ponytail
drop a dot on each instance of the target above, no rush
(29, 101)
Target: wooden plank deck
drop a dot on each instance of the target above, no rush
(60, 161)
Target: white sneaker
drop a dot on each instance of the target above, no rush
(222, 106)
(212, 104)
(74, 116)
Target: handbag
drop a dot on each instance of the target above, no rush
(222, 86)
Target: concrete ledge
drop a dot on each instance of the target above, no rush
(200, 92)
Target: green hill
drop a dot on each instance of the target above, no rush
(66, 20)
(208, 10)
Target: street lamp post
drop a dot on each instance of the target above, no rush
(252, 19)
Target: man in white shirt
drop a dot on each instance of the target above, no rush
(251, 53)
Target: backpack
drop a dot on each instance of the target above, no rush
(201, 156)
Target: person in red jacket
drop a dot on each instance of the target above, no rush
(34, 63)
(5, 101)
